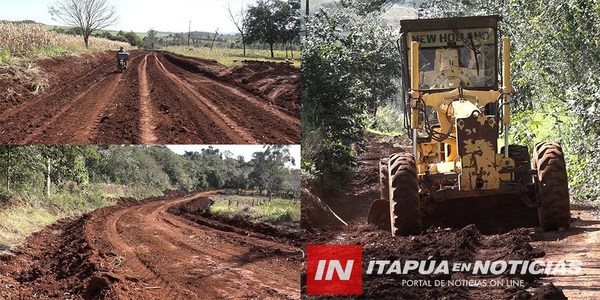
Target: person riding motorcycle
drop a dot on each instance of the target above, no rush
(122, 54)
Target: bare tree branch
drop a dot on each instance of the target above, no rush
(239, 22)
(87, 15)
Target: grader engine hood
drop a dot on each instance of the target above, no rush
(476, 136)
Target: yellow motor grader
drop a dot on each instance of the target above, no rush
(458, 101)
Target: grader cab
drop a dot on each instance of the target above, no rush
(457, 93)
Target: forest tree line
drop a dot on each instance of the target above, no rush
(28, 169)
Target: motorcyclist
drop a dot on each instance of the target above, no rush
(124, 55)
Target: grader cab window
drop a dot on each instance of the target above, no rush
(451, 58)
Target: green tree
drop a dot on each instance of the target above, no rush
(266, 22)
(150, 39)
(269, 168)
(350, 66)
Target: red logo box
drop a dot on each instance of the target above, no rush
(333, 270)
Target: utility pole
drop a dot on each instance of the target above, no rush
(189, 33)
(8, 169)
(307, 9)
(48, 179)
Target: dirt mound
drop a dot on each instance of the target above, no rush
(209, 68)
(278, 83)
(57, 262)
(198, 212)
(316, 214)
(22, 82)
(199, 206)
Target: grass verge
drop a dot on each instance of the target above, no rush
(25, 213)
(234, 57)
(260, 209)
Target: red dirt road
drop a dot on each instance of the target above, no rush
(161, 99)
(580, 242)
(141, 251)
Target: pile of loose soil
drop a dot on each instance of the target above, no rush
(198, 212)
(316, 214)
(58, 262)
(278, 83)
(23, 81)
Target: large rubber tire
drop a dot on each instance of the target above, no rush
(405, 215)
(553, 186)
(384, 181)
(384, 184)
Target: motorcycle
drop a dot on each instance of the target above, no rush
(122, 65)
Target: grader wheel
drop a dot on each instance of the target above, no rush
(553, 189)
(383, 178)
(405, 216)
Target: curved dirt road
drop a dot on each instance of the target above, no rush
(141, 251)
(158, 100)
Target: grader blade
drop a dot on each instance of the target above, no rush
(379, 214)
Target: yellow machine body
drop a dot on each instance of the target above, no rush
(449, 89)
(457, 95)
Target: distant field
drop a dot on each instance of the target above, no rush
(233, 57)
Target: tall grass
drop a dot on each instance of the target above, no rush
(234, 57)
(35, 41)
(25, 213)
(256, 208)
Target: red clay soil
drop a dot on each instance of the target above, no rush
(161, 98)
(138, 250)
(458, 232)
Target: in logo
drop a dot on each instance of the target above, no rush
(333, 270)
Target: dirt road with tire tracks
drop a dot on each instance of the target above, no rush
(161, 98)
(145, 250)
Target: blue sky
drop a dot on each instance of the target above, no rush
(142, 15)
(244, 150)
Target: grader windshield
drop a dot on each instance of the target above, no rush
(455, 57)
(453, 52)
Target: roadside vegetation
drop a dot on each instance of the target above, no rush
(235, 57)
(21, 42)
(554, 71)
(256, 208)
(41, 184)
